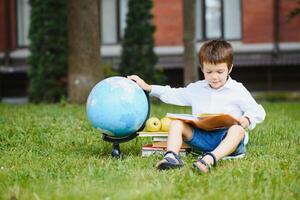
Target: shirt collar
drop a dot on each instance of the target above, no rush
(228, 84)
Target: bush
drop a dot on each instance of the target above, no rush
(138, 56)
(48, 47)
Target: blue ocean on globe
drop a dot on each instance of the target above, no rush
(117, 106)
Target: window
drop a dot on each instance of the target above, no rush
(23, 22)
(218, 19)
(232, 19)
(113, 20)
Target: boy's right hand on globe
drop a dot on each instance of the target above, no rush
(140, 82)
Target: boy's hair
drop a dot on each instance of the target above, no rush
(216, 52)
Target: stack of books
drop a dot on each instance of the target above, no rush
(205, 121)
(159, 144)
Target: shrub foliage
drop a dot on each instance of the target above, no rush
(48, 47)
(138, 56)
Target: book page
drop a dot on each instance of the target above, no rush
(206, 121)
(181, 116)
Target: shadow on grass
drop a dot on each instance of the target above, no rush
(102, 149)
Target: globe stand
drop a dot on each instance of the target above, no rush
(116, 152)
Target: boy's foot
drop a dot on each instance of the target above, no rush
(204, 163)
(239, 153)
(234, 156)
(171, 161)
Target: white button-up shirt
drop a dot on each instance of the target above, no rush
(233, 98)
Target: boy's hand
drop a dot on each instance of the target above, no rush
(140, 82)
(244, 122)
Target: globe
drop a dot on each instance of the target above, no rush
(117, 106)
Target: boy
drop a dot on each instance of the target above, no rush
(217, 93)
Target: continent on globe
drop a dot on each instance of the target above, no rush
(117, 106)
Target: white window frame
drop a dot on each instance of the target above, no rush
(225, 25)
(23, 22)
(113, 20)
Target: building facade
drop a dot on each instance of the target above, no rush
(266, 44)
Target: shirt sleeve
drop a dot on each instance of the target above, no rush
(254, 111)
(176, 96)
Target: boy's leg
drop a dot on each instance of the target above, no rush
(234, 136)
(178, 129)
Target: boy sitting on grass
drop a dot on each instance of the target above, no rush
(217, 93)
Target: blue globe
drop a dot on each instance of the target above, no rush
(117, 106)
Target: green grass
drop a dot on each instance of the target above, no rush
(52, 152)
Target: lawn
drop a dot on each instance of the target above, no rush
(52, 152)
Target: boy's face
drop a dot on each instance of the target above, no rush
(215, 74)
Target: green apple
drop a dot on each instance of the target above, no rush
(165, 124)
(153, 124)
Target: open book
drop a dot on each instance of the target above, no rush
(206, 121)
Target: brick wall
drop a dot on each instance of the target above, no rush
(2, 25)
(168, 20)
(12, 25)
(257, 21)
(289, 30)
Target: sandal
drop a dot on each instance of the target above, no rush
(169, 163)
(204, 167)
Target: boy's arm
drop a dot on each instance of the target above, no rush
(253, 111)
(244, 122)
(176, 96)
(140, 82)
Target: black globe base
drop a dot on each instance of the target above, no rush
(116, 151)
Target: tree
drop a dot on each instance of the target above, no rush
(84, 48)
(189, 40)
(138, 56)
